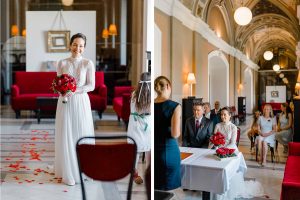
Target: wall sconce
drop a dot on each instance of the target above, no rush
(112, 30)
(191, 80)
(105, 33)
(24, 32)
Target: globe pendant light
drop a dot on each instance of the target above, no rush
(242, 16)
(281, 75)
(268, 55)
(276, 67)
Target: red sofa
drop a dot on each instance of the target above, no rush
(30, 85)
(291, 180)
(275, 106)
(121, 102)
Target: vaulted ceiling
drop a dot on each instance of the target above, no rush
(274, 25)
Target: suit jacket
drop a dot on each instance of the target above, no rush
(199, 139)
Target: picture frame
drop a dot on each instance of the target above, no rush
(58, 41)
(274, 94)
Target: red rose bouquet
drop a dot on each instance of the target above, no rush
(224, 152)
(218, 139)
(64, 85)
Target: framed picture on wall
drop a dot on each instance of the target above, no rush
(274, 94)
(58, 41)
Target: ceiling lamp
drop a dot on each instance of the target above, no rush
(281, 75)
(284, 80)
(67, 2)
(242, 16)
(276, 67)
(268, 55)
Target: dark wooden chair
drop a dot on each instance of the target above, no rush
(106, 158)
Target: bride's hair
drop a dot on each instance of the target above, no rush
(78, 35)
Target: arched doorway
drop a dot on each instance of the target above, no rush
(248, 90)
(218, 75)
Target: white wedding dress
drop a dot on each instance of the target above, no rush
(74, 118)
(239, 188)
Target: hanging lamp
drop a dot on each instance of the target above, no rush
(242, 16)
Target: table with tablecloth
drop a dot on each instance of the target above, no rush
(203, 171)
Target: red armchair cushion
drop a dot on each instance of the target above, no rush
(121, 102)
(291, 180)
(294, 149)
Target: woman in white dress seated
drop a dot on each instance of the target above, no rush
(266, 133)
(239, 188)
(284, 130)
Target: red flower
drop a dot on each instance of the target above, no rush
(64, 84)
(225, 152)
(217, 139)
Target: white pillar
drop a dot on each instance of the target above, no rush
(148, 42)
(123, 32)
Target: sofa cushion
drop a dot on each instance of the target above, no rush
(28, 101)
(97, 102)
(35, 82)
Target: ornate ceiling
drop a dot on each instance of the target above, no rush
(274, 24)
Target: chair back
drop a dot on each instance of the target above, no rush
(106, 158)
(238, 136)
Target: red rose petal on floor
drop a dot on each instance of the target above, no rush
(41, 183)
(65, 191)
(7, 159)
(20, 182)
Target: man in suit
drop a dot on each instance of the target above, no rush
(210, 115)
(198, 129)
(217, 108)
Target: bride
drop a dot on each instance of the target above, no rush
(239, 188)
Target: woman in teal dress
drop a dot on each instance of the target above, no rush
(167, 114)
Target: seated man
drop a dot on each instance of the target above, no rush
(198, 129)
(209, 115)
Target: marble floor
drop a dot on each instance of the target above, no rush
(27, 157)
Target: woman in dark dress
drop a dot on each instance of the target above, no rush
(167, 114)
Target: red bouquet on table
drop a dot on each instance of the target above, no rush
(224, 152)
(218, 139)
(63, 85)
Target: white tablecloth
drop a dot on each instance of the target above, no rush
(202, 171)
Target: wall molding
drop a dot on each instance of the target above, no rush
(176, 9)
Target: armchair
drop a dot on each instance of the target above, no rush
(121, 102)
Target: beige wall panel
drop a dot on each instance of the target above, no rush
(163, 21)
(216, 22)
(202, 49)
(182, 56)
(231, 81)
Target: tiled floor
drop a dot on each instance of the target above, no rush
(27, 156)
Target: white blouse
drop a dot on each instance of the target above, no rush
(82, 69)
(230, 132)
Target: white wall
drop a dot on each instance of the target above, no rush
(248, 90)
(281, 94)
(39, 22)
(157, 52)
(218, 73)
